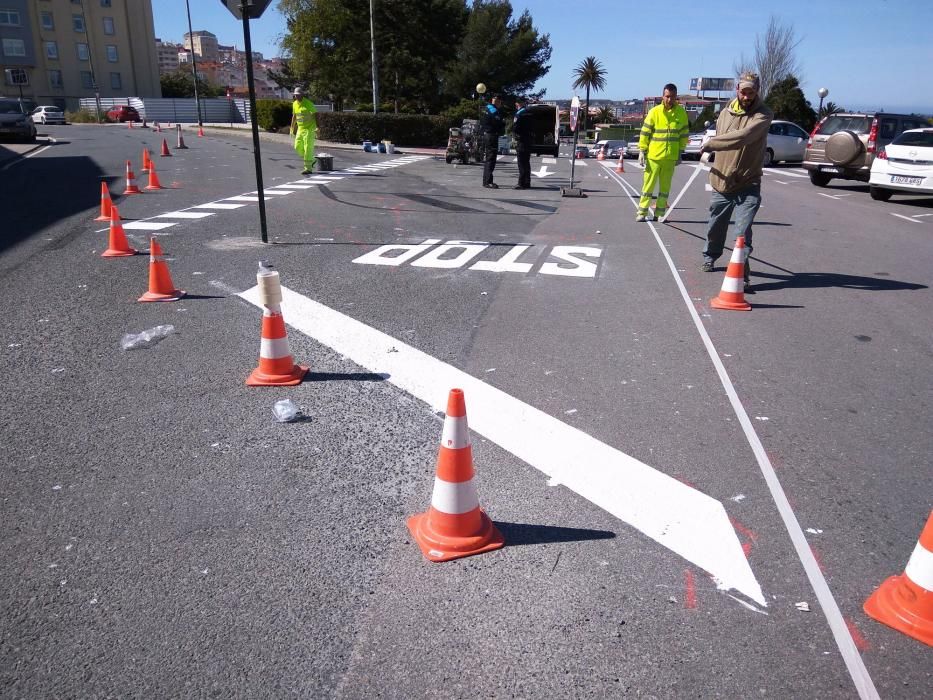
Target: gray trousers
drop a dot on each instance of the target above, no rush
(744, 204)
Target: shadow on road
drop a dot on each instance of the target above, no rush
(814, 280)
(520, 533)
(345, 377)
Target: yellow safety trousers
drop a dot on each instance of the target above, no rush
(304, 144)
(656, 171)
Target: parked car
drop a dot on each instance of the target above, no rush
(786, 142)
(692, 151)
(631, 149)
(15, 120)
(581, 152)
(844, 145)
(611, 148)
(48, 114)
(123, 113)
(905, 166)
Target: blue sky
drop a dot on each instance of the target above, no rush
(869, 54)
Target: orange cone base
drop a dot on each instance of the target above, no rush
(111, 253)
(896, 603)
(718, 303)
(102, 218)
(259, 378)
(442, 548)
(153, 296)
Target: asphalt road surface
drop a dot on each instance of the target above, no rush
(695, 503)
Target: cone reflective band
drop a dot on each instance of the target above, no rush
(276, 365)
(454, 526)
(131, 187)
(732, 296)
(145, 168)
(161, 287)
(905, 602)
(118, 247)
(105, 202)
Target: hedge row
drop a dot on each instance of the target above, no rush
(400, 129)
(272, 115)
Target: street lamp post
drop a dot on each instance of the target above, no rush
(372, 42)
(194, 64)
(822, 92)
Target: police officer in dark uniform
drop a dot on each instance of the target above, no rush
(524, 134)
(493, 126)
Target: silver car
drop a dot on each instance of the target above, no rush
(15, 121)
(786, 142)
(48, 114)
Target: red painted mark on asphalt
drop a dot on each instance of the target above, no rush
(684, 481)
(819, 561)
(690, 596)
(751, 536)
(860, 642)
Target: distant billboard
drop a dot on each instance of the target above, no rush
(712, 84)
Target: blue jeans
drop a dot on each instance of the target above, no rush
(745, 204)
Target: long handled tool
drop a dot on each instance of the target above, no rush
(696, 171)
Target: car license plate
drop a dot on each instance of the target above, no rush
(828, 169)
(906, 180)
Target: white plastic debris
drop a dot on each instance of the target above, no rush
(802, 606)
(285, 411)
(814, 531)
(147, 338)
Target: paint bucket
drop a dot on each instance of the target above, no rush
(368, 146)
(325, 163)
(390, 147)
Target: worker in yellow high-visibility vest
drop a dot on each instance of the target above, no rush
(304, 126)
(662, 141)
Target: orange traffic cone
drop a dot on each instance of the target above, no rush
(601, 155)
(105, 203)
(200, 130)
(905, 602)
(732, 296)
(165, 151)
(276, 366)
(145, 168)
(620, 168)
(160, 281)
(154, 183)
(180, 141)
(454, 525)
(131, 187)
(118, 246)
(129, 124)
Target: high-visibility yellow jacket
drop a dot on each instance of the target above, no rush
(304, 112)
(664, 133)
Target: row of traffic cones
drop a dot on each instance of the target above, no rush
(161, 287)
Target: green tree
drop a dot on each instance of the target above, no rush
(830, 108)
(180, 84)
(606, 115)
(786, 100)
(591, 75)
(706, 115)
(506, 54)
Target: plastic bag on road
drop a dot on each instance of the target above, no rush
(147, 338)
(285, 411)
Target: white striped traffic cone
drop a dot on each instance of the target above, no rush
(131, 187)
(732, 295)
(454, 526)
(905, 602)
(276, 366)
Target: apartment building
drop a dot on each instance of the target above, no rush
(204, 44)
(167, 53)
(58, 51)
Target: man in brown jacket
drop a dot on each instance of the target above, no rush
(735, 176)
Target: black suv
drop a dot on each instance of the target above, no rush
(844, 145)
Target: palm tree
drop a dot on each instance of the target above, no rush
(606, 115)
(830, 108)
(591, 75)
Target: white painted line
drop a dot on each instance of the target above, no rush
(905, 218)
(668, 511)
(918, 215)
(218, 205)
(271, 191)
(147, 225)
(837, 625)
(782, 171)
(782, 182)
(184, 215)
(828, 196)
(243, 198)
(296, 186)
(549, 161)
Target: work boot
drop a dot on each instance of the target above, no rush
(707, 266)
(639, 218)
(305, 172)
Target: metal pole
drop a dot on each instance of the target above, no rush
(194, 64)
(372, 42)
(244, 9)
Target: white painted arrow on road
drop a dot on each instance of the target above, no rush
(543, 172)
(686, 521)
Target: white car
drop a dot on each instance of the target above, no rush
(48, 114)
(786, 142)
(905, 166)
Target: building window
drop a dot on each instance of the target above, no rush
(9, 18)
(105, 3)
(55, 79)
(77, 21)
(48, 21)
(51, 50)
(112, 53)
(14, 47)
(87, 80)
(16, 76)
(108, 26)
(83, 53)
(115, 82)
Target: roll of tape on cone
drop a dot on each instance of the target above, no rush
(270, 289)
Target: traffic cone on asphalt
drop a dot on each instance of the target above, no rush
(276, 366)
(905, 602)
(180, 141)
(129, 124)
(732, 296)
(118, 246)
(145, 168)
(105, 203)
(620, 168)
(200, 130)
(165, 151)
(131, 187)
(600, 155)
(454, 525)
(160, 281)
(154, 183)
